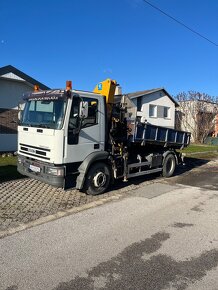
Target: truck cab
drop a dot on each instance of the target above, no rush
(58, 129)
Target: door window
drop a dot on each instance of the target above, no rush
(92, 118)
(77, 122)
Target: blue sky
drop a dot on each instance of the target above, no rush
(87, 41)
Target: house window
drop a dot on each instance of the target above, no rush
(152, 110)
(166, 112)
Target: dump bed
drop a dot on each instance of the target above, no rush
(151, 134)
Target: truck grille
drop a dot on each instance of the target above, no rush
(34, 151)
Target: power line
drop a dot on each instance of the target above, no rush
(181, 23)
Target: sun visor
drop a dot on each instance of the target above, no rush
(45, 95)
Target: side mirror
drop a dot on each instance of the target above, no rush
(20, 109)
(19, 116)
(83, 110)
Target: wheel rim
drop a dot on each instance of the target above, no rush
(99, 179)
(169, 165)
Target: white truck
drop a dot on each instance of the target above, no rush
(70, 138)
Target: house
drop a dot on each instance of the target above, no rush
(199, 117)
(155, 106)
(13, 83)
(216, 126)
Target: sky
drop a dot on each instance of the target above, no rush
(87, 41)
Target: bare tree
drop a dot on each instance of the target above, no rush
(197, 114)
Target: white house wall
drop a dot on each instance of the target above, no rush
(158, 99)
(11, 92)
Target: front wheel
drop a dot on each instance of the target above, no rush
(97, 179)
(169, 165)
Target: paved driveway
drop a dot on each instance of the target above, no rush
(27, 202)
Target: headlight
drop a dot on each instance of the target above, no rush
(55, 171)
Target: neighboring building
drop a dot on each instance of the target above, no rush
(13, 83)
(199, 117)
(216, 126)
(155, 106)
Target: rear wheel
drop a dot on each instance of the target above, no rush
(169, 165)
(97, 179)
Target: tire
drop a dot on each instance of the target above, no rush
(169, 165)
(97, 179)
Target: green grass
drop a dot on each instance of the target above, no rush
(8, 160)
(194, 148)
(8, 168)
(201, 151)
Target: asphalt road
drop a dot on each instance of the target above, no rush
(203, 174)
(161, 236)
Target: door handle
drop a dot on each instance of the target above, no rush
(96, 146)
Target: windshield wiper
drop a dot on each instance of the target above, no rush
(26, 124)
(43, 126)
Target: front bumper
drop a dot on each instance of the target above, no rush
(39, 170)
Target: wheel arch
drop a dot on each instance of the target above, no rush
(166, 153)
(88, 161)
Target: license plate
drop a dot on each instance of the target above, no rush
(34, 168)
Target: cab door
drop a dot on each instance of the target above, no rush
(84, 133)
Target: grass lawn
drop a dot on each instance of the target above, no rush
(201, 151)
(8, 168)
(193, 148)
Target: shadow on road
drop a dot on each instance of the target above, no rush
(189, 164)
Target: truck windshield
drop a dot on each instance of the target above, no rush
(44, 114)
